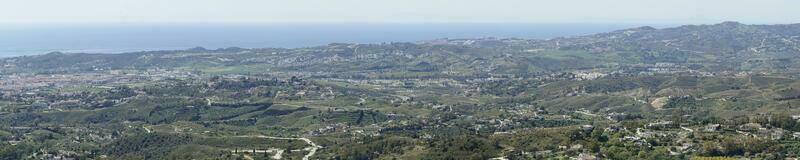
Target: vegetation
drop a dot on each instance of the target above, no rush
(725, 91)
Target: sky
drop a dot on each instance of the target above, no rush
(398, 11)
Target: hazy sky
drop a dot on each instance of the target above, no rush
(398, 11)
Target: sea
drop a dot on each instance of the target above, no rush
(30, 39)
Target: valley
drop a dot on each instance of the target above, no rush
(727, 90)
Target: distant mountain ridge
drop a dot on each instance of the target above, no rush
(725, 46)
(726, 37)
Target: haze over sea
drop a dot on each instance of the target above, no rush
(20, 40)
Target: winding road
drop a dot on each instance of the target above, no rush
(311, 150)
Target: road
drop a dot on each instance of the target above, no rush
(147, 129)
(687, 129)
(361, 101)
(311, 150)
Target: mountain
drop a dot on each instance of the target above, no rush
(728, 38)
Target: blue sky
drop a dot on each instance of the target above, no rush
(398, 11)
